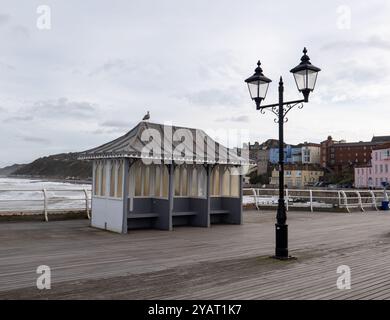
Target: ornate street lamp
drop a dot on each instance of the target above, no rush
(258, 85)
(305, 75)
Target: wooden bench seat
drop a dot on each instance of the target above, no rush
(186, 213)
(219, 211)
(142, 215)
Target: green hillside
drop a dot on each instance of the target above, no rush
(59, 166)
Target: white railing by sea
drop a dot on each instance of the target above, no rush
(316, 198)
(53, 200)
(58, 200)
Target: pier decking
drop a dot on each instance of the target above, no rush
(221, 262)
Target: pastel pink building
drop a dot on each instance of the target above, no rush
(377, 172)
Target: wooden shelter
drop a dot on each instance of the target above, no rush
(159, 176)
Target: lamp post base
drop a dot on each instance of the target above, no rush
(284, 258)
(281, 250)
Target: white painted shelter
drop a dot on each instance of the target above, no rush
(182, 178)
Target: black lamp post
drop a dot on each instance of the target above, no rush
(305, 75)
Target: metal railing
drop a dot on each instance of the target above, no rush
(45, 200)
(316, 198)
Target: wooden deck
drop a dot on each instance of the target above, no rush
(222, 262)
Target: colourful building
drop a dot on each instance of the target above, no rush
(372, 176)
(298, 175)
(302, 153)
(311, 153)
(292, 154)
(340, 155)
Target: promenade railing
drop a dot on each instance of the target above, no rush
(53, 200)
(317, 198)
(57, 200)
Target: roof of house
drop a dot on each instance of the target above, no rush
(382, 146)
(308, 144)
(354, 144)
(380, 139)
(149, 140)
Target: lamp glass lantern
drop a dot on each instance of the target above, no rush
(258, 85)
(305, 75)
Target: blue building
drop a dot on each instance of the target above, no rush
(292, 154)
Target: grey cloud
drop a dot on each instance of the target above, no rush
(114, 65)
(20, 32)
(108, 131)
(97, 131)
(371, 42)
(214, 97)
(116, 124)
(4, 18)
(63, 108)
(19, 118)
(6, 66)
(35, 139)
(234, 119)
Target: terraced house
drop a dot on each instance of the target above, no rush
(298, 175)
(374, 175)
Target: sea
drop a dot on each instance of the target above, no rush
(17, 195)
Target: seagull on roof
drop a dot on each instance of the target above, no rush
(146, 116)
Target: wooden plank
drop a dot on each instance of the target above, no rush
(199, 263)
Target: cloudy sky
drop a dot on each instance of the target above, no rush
(103, 64)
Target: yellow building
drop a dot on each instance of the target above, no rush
(298, 175)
